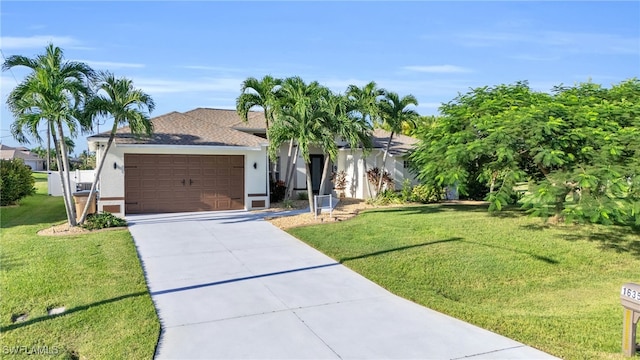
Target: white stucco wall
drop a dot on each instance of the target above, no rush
(352, 162)
(111, 185)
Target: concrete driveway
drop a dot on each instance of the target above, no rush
(229, 285)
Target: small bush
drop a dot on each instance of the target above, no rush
(405, 193)
(303, 196)
(278, 190)
(16, 181)
(373, 175)
(425, 194)
(287, 204)
(387, 197)
(102, 221)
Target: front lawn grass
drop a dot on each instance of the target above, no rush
(97, 277)
(555, 288)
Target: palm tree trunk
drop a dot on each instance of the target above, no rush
(309, 187)
(94, 185)
(384, 160)
(291, 172)
(48, 148)
(366, 176)
(324, 174)
(65, 164)
(68, 205)
(286, 172)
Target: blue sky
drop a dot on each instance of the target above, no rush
(196, 54)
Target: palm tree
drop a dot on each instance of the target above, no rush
(301, 115)
(54, 92)
(118, 98)
(394, 112)
(344, 123)
(259, 93)
(367, 105)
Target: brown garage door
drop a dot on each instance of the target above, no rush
(156, 183)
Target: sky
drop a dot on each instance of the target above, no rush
(196, 54)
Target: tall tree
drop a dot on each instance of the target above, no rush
(394, 112)
(259, 93)
(577, 147)
(117, 98)
(344, 122)
(54, 91)
(366, 105)
(301, 115)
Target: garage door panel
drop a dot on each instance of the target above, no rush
(176, 183)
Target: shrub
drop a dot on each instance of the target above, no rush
(386, 197)
(373, 175)
(287, 204)
(16, 181)
(339, 180)
(405, 193)
(425, 194)
(103, 220)
(303, 196)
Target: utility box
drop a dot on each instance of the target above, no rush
(630, 300)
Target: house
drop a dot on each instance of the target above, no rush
(209, 159)
(31, 160)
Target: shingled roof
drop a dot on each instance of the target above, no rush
(230, 118)
(400, 144)
(222, 127)
(181, 129)
(9, 153)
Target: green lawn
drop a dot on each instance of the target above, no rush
(97, 277)
(554, 288)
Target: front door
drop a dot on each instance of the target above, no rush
(317, 161)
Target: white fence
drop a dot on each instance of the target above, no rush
(80, 180)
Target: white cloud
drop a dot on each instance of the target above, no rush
(437, 69)
(37, 41)
(111, 64)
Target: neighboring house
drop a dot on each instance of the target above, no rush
(31, 160)
(209, 159)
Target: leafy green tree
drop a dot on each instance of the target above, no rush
(259, 93)
(301, 115)
(117, 98)
(16, 181)
(577, 147)
(394, 112)
(87, 160)
(54, 91)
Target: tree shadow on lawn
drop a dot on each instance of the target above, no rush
(616, 238)
(400, 248)
(70, 311)
(545, 259)
(621, 239)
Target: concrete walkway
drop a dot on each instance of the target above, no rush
(229, 285)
